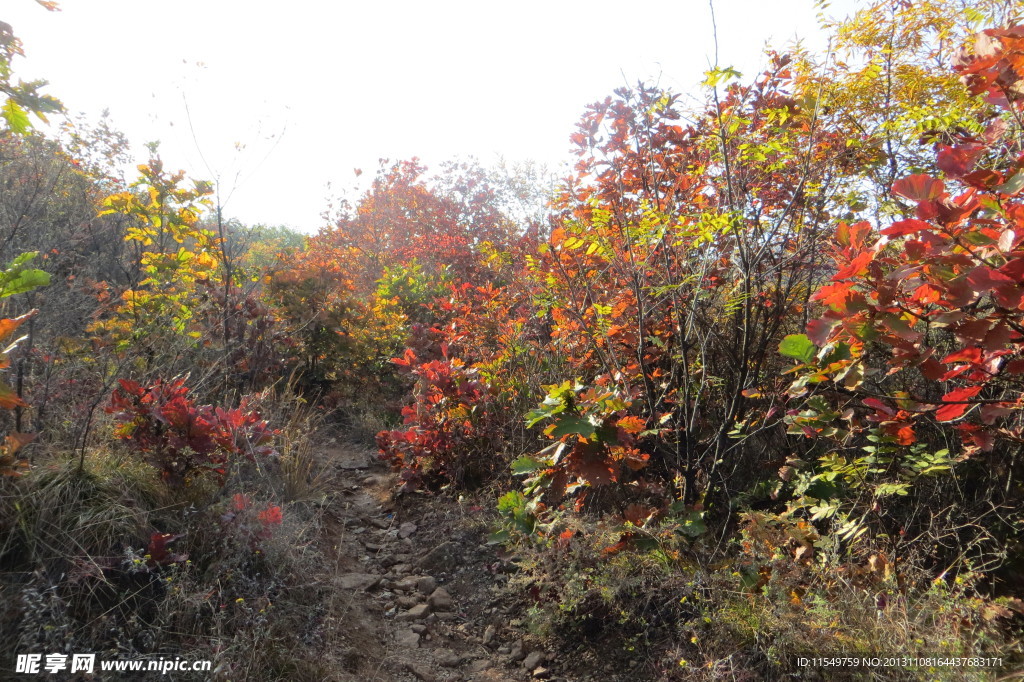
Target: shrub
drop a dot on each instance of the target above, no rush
(183, 439)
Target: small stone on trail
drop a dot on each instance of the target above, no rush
(419, 629)
(358, 581)
(533, 660)
(447, 658)
(407, 584)
(408, 639)
(440, 600)
(383, 524)
(442, 556)
(419, 673)
(489, 633)
(478, 666)
(541, 672)
(415, 613)
(426, 584)
(406, 529)
(392, 559)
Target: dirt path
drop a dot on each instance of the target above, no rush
(418, 593)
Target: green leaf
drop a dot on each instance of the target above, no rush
(17, 279)
(525, 465)
(692, 525)
(1013, 185)
(26, 280)
(511, 502)
(718, 75)
(569, 424)
(16, 117)
(499, 537)
(798, 346)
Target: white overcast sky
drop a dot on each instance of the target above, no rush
(350, 82)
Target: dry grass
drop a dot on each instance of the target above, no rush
(253, 597)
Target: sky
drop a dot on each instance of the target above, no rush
(281, 104)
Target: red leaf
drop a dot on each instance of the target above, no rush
(818, 330)
(9, 399)
(904, 227)
(594, 470)
(983, 179)
(637, 514)
(980, 436)
(960, 399)
(919, 188)
(878, 405)
(853, 235)
(958, 161)
(972, 355)
(1014, 269)
(931, 369)
(983, 278)
(993, 411)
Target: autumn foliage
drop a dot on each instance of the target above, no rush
(184, 439)
(776, 325)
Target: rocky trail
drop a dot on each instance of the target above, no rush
(418, 592)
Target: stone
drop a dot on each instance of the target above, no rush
(406, 529)
(478, 666)
(488, 637)
(407, 602)
(425, 584)
(533, 660)
(419, 629)
(446, 615)
(389, 560)
(407, 584)
(358, 581)
(540, 673)
(440, 600)
(407, 639)
(447, 658)
(419, 673)
(517, 653)
(415, 613)
(383, 524)
(442, 556)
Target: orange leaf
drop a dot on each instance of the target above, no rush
(631, 424)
